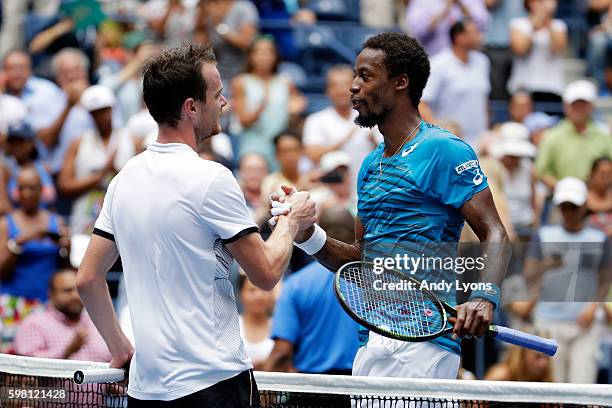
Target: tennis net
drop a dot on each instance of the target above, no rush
(36, 382)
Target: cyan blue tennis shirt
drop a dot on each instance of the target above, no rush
(415, 195)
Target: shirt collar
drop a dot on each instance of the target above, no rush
(169, 147)
(60, 317)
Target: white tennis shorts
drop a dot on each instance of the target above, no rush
(384, 357)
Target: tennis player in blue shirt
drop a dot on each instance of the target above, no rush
(419, 186)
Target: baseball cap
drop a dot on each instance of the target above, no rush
(581, 90)
(570, 190)
(97, 97)
(514, 141)
(332, 160)
(539, 120)
(21, 131)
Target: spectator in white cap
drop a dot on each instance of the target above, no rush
(570, 264)
(515, 152)
(93, 159)
(336, 183)
(570, 148)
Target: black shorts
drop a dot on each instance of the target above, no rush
(236, 392)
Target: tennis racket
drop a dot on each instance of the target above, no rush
(412, 314)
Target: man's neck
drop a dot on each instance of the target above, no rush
(573, 228)
(461, 53)
(581, 127)
(290, 174)
(397, 126)
(183, 133)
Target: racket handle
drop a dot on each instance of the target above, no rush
(519, 338)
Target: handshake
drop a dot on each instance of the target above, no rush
(299, 209)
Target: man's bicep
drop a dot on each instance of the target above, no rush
(480, 212)
(101, 254)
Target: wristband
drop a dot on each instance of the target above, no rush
(492, 295)
(13, 247)
(316, 241)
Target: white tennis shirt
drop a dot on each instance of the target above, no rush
(170, 213)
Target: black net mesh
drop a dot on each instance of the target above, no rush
(38, 391)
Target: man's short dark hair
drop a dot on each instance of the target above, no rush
(456, 29)
(173, 76)
(59, 272)
(287, 133)
(404, 55)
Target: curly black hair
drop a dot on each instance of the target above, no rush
(404, 55)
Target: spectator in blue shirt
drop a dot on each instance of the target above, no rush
(311, 332)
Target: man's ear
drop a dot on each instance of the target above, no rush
(189, 106)
(401, 82)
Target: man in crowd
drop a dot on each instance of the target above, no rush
(63, 330)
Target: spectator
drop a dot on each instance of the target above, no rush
(174, 21)
(521, 364)
(460, 73)
(600, 41)
(252, 169)
(63, 330)
(333, 128)
(570, 148)
(599, 200)
(23, 151)
(288, 148)
(93, 159)
(430, 20)
(497, 43)
(30, 240)
(65, 120)
(515, 152)
(538, 123)
(336, 190)
(230, 26)
(520, 107)
(264, 100)
(311, 332)
(255, 321)
(34, 92)
(539, 42)
(570, 263)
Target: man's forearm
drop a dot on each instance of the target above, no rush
(336, 253)
(96, 298)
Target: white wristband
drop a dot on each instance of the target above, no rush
(316, 241)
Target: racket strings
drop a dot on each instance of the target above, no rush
(405, 313)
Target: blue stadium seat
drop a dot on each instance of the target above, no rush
(316, 102)
(353, 36)
(337, 10)
(319, 45)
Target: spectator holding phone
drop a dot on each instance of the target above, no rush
(30, 240)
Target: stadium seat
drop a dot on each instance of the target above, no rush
(337, 10)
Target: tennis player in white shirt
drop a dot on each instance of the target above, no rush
(177, 221)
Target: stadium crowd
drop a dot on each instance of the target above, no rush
(526, 83)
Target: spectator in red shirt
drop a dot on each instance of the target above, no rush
(63, 330)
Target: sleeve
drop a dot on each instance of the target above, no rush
(559, 25)
(224, 209)
(311, 135)
(418, 19)
(285, 321)
(104, 224)
(248, 14)
(479, 14)
(534, 248)
(521, 24)
(30, 341)
(449, 170)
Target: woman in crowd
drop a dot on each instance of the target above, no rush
(538, 42)
(31, 238)
(599, 200)
(522, 364)
(255, 321)
(264, 100)
(22, 152)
